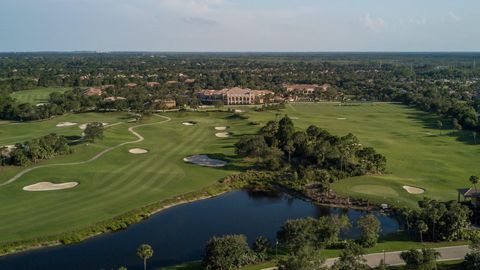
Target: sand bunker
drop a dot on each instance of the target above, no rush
(413, 190)
(220, 128)
(46, 186)
(66, 124)
(223, 135)
(137, 151)
(84, 126)
(342, 118)
(188, 123)
(204, 160)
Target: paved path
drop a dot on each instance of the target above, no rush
(393, 258)
(130, 129)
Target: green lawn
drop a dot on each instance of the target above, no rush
(37, 95)
(118, 181)
(417, 153)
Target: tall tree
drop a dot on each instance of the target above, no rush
(144, 252)
(370, 227)
(93, 131)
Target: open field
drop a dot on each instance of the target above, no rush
(418, 155)
(37, 95)
(116, 182)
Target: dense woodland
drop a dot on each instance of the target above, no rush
(309, 157)
(446, 84)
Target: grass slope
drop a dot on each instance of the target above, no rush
(37, 95)
(118, 181)
(417, 153)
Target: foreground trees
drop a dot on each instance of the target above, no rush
(145, 252)
(438, 221)
(370, 227)
(227, 252)
(425, 259)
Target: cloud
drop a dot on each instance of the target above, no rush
(191, 6)
(418, 21)
(199, 21)
(453, 18)
(374, 23)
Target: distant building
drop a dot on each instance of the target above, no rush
(152, 84)
(107, 86)
(131, 85)
(112, 99)
(166, 103)
(92, 91)
(472, 193)
(235, 96)
(305, 89)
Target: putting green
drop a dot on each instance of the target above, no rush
(376, 190)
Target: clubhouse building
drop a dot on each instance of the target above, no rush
(235, 96)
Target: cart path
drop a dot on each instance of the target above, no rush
(140, 138)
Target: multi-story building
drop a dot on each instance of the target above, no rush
(235, 96)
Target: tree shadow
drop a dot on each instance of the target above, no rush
(430, 121)
(232, 162)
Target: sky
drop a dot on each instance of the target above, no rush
(240, 25)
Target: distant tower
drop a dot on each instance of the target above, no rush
(474, 63)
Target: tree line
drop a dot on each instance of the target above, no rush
(35, 150)
(312, 156)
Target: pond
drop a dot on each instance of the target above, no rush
(179, 234)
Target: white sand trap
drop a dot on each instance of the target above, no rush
(220, 128)
(137, 151)
(413, 190)
(223, 135)
(188, 123)
(204, 160)
(342, 118)
(84, 126)
(46, 186)
(239, 111)
(66, 124)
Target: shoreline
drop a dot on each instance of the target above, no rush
(145, 213)
(11, 248)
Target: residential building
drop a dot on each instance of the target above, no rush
(92, 91)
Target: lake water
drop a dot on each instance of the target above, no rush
(179, 234)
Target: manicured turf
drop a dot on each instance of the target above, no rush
(120, 181)
(37, 95)
(418, 154)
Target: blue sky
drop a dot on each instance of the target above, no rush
(240, 25)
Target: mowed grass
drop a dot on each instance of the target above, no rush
(37, 95)
(118, 181)
(418, 154)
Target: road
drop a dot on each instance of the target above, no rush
(393, 258)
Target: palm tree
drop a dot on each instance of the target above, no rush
(145, 252)
(474, 180)
(422, 228)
